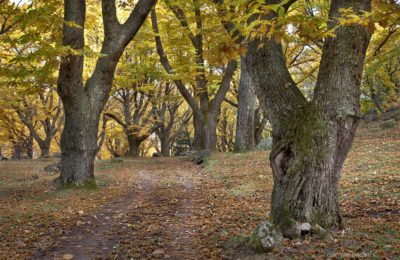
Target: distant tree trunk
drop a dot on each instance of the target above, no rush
(226, 132)
(101, 137)
(311, 139)
(17, 148)
(165, 147)
(205, 110)
(51, 124)
(205, 130)
(261, 121)
(245, 123)
(136, 121)
(83, 103)
(171, 124)
(134, 146)
(29, 146)
(377, 102)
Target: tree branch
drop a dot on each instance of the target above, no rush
(230, 102)
(110, 20)
(225, 84)
(136, 18)
(229, 26)
(116, 119)
(180, 15)
(167, 66)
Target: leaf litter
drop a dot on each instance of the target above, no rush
(160, 208)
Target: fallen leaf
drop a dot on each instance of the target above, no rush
(158, 252)
(68, 257)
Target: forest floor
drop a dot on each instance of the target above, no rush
(148, 208)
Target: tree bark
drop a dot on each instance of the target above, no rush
(134, 145)
(261, 121)
(245, 124)
(311, 139)
(83, 103)
(165, 146)
(17, 148)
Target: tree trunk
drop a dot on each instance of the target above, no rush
(211, 131)
(29, 147)
(44, 148)
(377, 102)
(134, 145)
(198, 131)
(165, 147)
(245, 123)
(83, 103)
(78, 138)
(44, 151)
(205, 131)
(79, 145)
(17, 149)
(311, 139)
(260, 123)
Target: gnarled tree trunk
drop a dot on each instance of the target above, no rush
(311, 139)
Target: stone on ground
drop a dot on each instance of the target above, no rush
(265, 238)
(319, 231)
(290, 228)
(305, 228)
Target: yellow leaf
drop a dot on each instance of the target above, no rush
(263, 28)
(68, 257)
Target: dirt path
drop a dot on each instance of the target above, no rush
(158, 218)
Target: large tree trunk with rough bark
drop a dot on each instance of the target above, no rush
(311, 139)
(78, 143)
(83, 103)
(245, 123)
